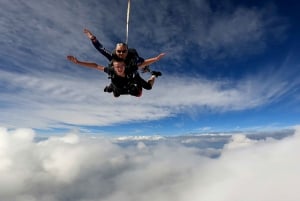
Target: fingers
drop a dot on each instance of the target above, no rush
(88, 33)
(161, 55)
(72, 59)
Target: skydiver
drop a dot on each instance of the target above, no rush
(130, 56)
(123, 82)
(132, 60)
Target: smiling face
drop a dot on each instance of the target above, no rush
(121, 50)
(119, 68)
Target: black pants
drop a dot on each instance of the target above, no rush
(141, 82)
(130, 89)
(134, 87)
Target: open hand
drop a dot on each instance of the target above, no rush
(72, 59)
(161, 55)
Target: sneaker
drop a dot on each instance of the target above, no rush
(146, 69)
(156, 73)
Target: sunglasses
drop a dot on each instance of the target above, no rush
(121, 51)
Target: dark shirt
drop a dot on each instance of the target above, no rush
(124, 84)
(132, 60)
(118, 81)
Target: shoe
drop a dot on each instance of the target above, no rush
(116, 94)
(146, 69)
(156, 73)
(108, 89)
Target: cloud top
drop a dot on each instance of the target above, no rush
(77, 167)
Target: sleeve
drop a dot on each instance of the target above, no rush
(134, 56)
(106, 53)
(107, 70)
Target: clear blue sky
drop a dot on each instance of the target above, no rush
(230, 65)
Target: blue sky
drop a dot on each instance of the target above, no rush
(222, 123)
(230, 66)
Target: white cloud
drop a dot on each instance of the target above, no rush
(42, 100)
(214, 32)
(82, 168)
(40, 88)
(47, 100)
(55, 28)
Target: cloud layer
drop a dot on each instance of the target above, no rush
(56, 100)
(74, 167)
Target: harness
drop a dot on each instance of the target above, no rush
(131, 71)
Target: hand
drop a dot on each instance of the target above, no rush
(72, 59)
(160, 56)
(88, 34)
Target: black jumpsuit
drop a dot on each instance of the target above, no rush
(133, 83)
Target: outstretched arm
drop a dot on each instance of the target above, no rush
(98, 45)
(85, 64)
(147, 62)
